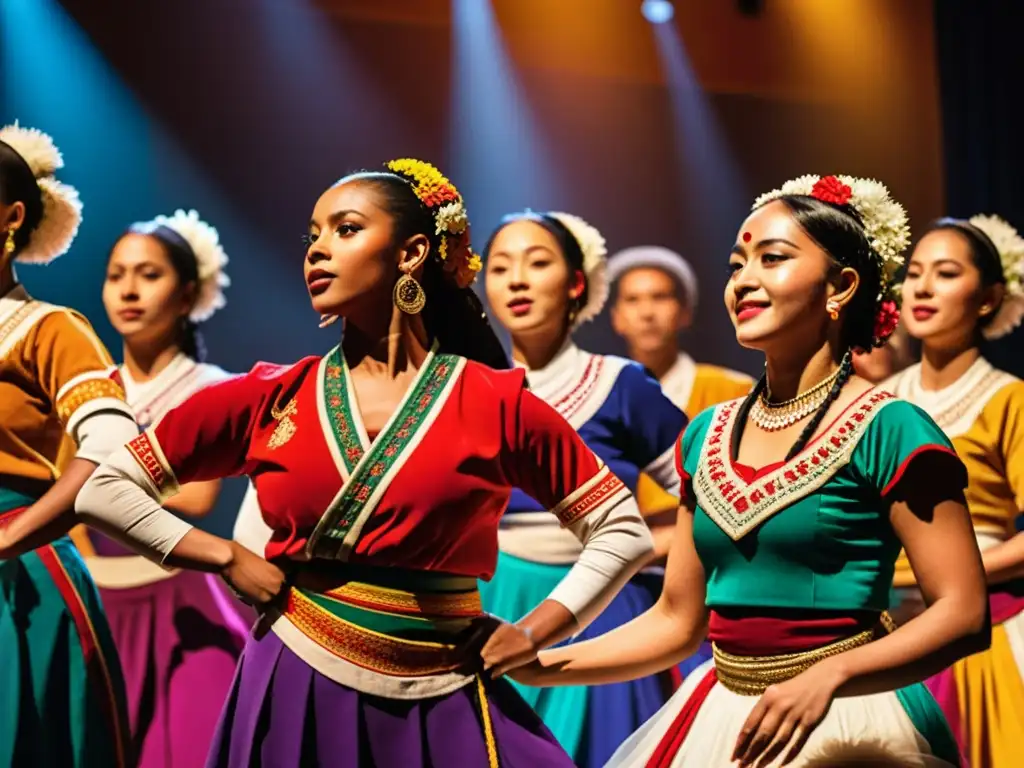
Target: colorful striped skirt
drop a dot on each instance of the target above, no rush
(341, 679)
(982, 695)
(701, 723)
(62, 696)
(590, 722)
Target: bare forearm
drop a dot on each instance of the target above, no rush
(650, 643)
(201, 551)
(50, 517)
(549, 623)
(1004, 562)
(946, 631)
(194, 499)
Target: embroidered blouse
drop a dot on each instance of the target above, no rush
(982, 413)
(57, 382)
(621, 414)
(813, 532)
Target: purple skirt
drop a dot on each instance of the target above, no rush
(179, 641)
(281, 713)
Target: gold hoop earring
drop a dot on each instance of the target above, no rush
(833, 309)
(409, 296)
(9, 243)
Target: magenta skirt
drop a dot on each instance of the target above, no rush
(179, 641)
(281, 713)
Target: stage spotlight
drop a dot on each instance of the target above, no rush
(657, 11)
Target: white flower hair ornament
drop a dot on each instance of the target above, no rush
(62, 208)
(1010, 247)
(210, 260)
(885, 224)
(595, 265)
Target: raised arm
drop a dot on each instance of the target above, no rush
(78, 378)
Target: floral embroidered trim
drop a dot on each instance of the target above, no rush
(91, 389)
(738, 507)
(602, 488)
(385, 452)
(340, 411)
(366, 648)
(147, 453)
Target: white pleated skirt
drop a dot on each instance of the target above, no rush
(871, 730)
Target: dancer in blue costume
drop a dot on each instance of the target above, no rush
(545, 276)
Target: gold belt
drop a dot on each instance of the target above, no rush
(751, 675)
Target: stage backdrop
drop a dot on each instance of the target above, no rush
(248, 109)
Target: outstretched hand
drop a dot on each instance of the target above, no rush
(507, 647)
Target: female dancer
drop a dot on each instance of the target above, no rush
(546, 275)
(963, 283)
(61, 692)
(383, 469)
(797, 500)
(177, 632)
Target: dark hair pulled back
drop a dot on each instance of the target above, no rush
(186, 267)
(567, 243)
(18, 184)
(984, 254)
(452, 315)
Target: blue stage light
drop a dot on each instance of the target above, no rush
(657, 11)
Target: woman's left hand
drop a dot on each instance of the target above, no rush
(785, 716)
(508, 647)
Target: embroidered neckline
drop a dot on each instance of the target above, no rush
(374, 462)
(948, 405)
(738, 507)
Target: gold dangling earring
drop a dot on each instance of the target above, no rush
(833, 309)
(9, 243)
(409, 296)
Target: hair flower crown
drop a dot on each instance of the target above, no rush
(885, 224)
(1010, 247)
(210, 260)
(595, 264)
(451, 221)
(62, 208)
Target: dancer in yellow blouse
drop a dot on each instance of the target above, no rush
(963, 284)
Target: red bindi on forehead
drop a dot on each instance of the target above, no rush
(746, 237)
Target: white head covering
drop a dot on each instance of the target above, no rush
(62, 209)
(656, 257)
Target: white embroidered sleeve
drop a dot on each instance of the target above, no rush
(120, 499)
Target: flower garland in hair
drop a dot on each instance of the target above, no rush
(595, 265)
(885, 224)
(62, 208)
(450, 218)
(210, 260)
(1010, 246)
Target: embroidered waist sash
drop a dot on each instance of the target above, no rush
(390, 622)
(751, 675)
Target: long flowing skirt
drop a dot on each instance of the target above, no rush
(700, 724)
(179, 640)
(281, 713)
(982, 695)
(62, 699)
(590, 722)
